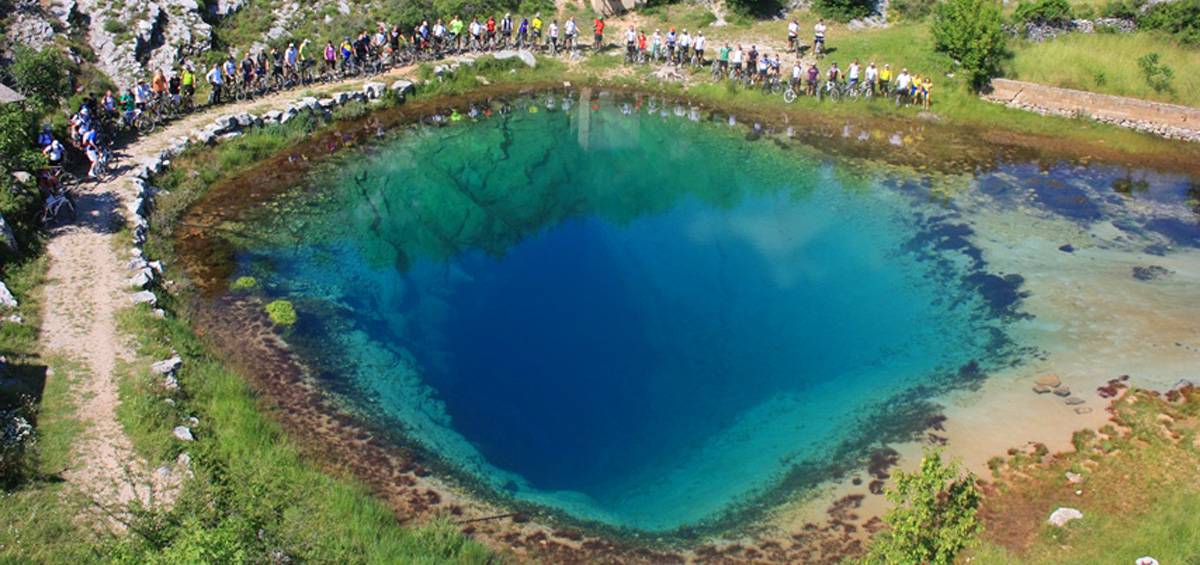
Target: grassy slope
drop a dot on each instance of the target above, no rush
(1139, 495)
(1107, 63)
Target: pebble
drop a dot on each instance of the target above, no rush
(1063, 391)
(1074, 401)
(1083, 410)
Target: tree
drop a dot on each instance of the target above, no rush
(970, 32)
(41, 75)
(845, 10)
(933, 518)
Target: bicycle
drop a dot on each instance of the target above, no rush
(790, 94)
(59, 201)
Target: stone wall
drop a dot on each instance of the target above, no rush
(1167, 120)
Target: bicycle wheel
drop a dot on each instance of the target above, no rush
(145, 124)
(789, 95)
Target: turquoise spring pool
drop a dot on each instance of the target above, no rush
(640, 315)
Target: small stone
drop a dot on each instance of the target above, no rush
(1083, 410)
(1041, 389)
(1074, 478)
(1049, 380)
(1064, 515)
(182, 433)
(1063, 391)
(1074, 401)
(1066, 248)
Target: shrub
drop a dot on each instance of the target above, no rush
(17, 440)
(970, 32)
(1045, 12)
(282, 313)
(1123, 9)
(1181, 19)
(933, 518)
(40, 74)
(115, 27)
(914, 10)
(845, 10)
(1157, 75)
(758, 7)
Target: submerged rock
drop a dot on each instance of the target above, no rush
(1151, 273)
(1062, 516)
(1049, 381)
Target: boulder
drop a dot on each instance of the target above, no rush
(525, 57)
(167, 366)
(1063, 391)
(156, 265)
(6, 298)
(1041, 389)
(1061, 516)
(7, 239)
(374, 89)
(327, 103)
(1074, 401)
(245, 120)
(182, 433)
(402, 87)
(272, 116)
(142, 278)
(144, 297)
(341, 98)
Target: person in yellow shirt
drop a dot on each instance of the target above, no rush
(926, 87)
(885, 79)
(536, 24)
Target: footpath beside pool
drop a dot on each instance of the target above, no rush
(1167, 120)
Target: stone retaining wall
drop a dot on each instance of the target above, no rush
(1167, 120)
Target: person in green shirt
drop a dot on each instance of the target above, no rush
(456, 26)
(723, 57)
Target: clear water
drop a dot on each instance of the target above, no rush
(621, 313)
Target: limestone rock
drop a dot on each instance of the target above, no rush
(525, 57)
(167, 366)
(142, 278)
(144, 297)
(1063, 391)
(1041, 389)
(402, 87)
(1074, 478)
(1074, 401)
(6, 298)
(1062, 516)
(182, 433)
(7, 239)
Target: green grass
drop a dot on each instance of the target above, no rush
(254, 494)
(39, 518)
(1139, 496)
(1107, 63)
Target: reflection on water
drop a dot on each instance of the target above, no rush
(623, 309)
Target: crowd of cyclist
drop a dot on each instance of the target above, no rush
(142, 106)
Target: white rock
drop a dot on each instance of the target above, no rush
(167, 366)
(1063, 515)
(7, 300)
(402, 87)
(142, 279)
(525, 57)
(144, 297)
(182, 433)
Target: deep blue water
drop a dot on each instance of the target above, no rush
(635, 318)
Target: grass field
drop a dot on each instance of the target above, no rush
(1107, 63)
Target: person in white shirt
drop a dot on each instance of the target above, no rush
(797, 72)
(698, 45)
(872, 75)
(793, 33)
(571, 29)
(903, 82)
(819, 36)
(736, 59)
(685, 42)
(852, 74)
(553, 35)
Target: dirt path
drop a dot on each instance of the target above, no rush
(87, 284)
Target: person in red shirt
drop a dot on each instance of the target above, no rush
(491, 31)
(599, 27)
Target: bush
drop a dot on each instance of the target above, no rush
(41, 75)
(1045, 12)
(914, 10)
(16, 445)
(756, 7)
(1157, 75)
(1122, 9)
(282, 313)
(933, 518)
(845, 10)
(970, 32)
(1181, 19)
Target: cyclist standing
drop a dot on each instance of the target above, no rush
(572, 31)
(819, 37)
(598, 31)
(536, 26)
(872, 77)
(793, 33)
(885, 79)
(215, 80)
(553, 37)
(852, 74)
(698, 46)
